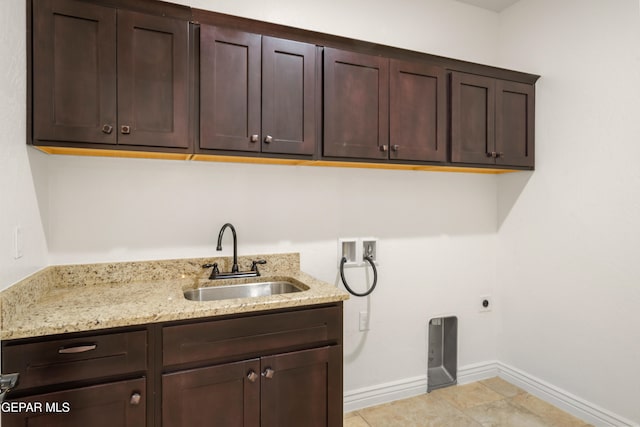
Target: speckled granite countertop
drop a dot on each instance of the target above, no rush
(86, 297)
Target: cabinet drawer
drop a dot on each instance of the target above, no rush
(229, 339)
(72, 359)
(118, 404)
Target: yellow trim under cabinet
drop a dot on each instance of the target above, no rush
(329, 163)
(74, 151)
(263, 160)
(255, 160)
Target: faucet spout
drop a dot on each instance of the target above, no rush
(234, 268)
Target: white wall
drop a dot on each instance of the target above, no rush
(440, 27)
(569, 276)
(18, 201)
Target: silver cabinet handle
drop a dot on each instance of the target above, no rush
(252, 376)
(81, 348)
(395, 147)
(107, 129)
(135, 398)
(268, 139)
(253, 138)
(268, 373)
(125, 129)
(384, 148)
(7, 382)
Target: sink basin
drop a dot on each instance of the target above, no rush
(247, 290)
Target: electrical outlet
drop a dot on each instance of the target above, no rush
(486, 303)
(364, 320)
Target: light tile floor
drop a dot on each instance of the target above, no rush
(489, 403)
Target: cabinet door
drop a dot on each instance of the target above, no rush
(302, 388)
(514, 124)
(472, 118)
(153, 82)
(106, 405)
(74, 72)
(417, 113)
(229, 89)
(223, 395)
(356, 105)
(288, 96)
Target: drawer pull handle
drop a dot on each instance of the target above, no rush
(135, 399)
(82, 348)
(268, 373)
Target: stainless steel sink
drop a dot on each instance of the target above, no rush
(247, 290)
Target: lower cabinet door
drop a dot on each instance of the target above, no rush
(107, 405)
(302, 388)
(223, 395)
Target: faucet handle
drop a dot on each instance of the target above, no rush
(254, 264)
(215, 271)
(214, 265)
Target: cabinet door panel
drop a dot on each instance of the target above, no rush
(105, 405)
(153, 92)
(356, 105)
(229, 89)
(472, 118)
(288, 96)
(301, 389)
(74, 70)
(417, 116)
(221, 395)
(514, 123)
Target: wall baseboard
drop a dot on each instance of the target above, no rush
(410, 387)
(562, 399)
(384, 393)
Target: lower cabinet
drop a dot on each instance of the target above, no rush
(274, 369)
(119, 403)
(299, 388)
(271, 370)
(290, 389)
(228, 394)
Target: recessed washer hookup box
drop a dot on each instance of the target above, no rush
(442, 369)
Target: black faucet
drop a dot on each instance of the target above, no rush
(235, 271)
(234, 268)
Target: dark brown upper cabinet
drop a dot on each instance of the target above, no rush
(492, 121)
(257, 93)
(153, 81)
(379, 108)
(356, 105)
(417, 112)
(107, 76)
